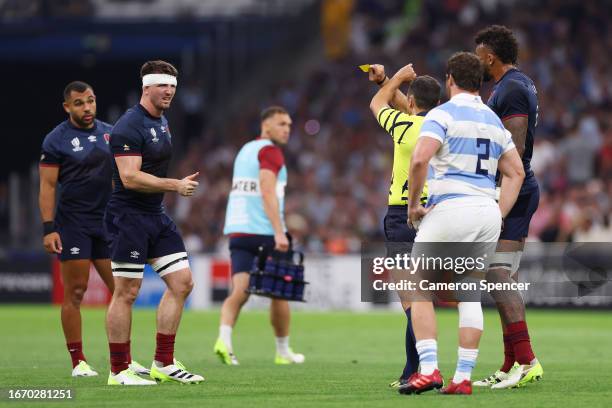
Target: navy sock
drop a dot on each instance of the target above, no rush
(412, 356)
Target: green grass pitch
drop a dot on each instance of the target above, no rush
(350, 359)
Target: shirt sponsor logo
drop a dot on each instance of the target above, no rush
(76, 145)
(134, 254)
(249, 186)
(92, 138)
(75, 250)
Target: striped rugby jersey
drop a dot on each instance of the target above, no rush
(473, 139)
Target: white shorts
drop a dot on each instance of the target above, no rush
(463, 219)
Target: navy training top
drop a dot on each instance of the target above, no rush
(85, 171)
(138, 133)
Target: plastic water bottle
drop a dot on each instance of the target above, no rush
(269, 276)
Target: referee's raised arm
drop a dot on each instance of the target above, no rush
(387, 94)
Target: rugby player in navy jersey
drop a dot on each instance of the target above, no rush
(140, 231)
(514, 99)
(76, 154)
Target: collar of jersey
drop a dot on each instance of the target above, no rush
(506, 73)
(146, 112)
(466, 97)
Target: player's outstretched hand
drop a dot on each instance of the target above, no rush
(406, 74)
(376, 73)
(188, 185)
(416, 214)
(281, 242)
(52, 243)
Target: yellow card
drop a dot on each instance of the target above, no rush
(364, 67)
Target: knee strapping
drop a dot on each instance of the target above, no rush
(509, 261)
(470, 315)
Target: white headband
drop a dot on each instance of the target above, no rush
(158, 79)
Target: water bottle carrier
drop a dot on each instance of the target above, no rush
(277, 275)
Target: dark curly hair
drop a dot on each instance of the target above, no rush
(501, 41)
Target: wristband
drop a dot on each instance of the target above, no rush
(383, 81)
(48, 227)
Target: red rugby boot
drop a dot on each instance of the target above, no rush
(419, 383)
(464, 387)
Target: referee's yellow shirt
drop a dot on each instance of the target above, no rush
(404, 129)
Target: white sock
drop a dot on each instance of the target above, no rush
(428, 355)
(282, 345)
(225, 333)
(465, 364)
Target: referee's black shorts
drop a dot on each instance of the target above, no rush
(398, 235)
(396, 225)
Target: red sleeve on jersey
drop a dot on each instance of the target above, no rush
(516, 115)
(271, 158)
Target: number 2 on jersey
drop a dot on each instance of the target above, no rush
(482, 156)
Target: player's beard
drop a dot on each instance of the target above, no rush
(486, 75)
(162, 106)
(278, 140)
(81, 123)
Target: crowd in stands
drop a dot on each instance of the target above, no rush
(339, 159)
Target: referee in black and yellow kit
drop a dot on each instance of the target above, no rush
(402, 116)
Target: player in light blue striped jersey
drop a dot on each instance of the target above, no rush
(461, 146)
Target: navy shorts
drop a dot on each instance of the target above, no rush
(137, 238)
(516, 223)
(243, 249)
(397, 231)
(82, 242)
(396, 225)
